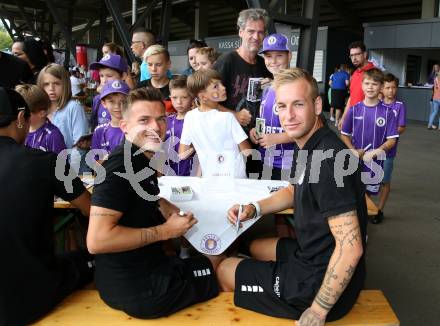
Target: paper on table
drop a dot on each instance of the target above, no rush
(213, 234)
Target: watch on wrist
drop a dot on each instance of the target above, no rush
(257, 209)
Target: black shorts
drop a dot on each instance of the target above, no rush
(192, 280)
(338, 98)
(284, 288)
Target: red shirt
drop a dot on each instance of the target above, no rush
(356, 93)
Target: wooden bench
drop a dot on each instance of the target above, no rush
(86, 308)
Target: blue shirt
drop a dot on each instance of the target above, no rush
(338, 79)
(72, 122)
(145, 74)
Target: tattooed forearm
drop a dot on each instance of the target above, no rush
(342, 264)
(150, 235)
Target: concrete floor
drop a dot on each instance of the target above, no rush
(403, 254)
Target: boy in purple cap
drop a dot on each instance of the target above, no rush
(42, 134)
(108, 136)
(275, 146)
(370, 127)
(110, 67)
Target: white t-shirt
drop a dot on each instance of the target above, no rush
(75, 82)
(215, 136)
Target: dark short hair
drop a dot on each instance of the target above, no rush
(374, 73)
(196, 44)
(389, 78)
(149, 94)
(35, 53)
(357, 44)
(145, 31)
(178, 82)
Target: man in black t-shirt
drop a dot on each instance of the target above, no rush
(318, 276)
(33, 280)
(238, 66)
(13, 71)
(129, 223)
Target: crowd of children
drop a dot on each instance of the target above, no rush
(202, 138)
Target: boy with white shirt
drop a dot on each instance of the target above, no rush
(216, 136)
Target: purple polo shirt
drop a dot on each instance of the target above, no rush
(48, 138)
(99, 112)
(107, 137)
(370, 126)
(399, 111)
(172, 141)
(281, 155)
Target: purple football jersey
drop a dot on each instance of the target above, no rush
(369, 128)
(48, 138)
(399, 110)
(99, 112)
(172, 141)
(107, 137)
(281, 155)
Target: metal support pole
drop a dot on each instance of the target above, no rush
(59, 21)
(115, 12)
(201, 20)
(69, 50)
(133, 11)
(26, 17)
(50, 32)
(141, 19)
(11, 34)
(165, 22)
(308, 36)
(102, 28)
(14, 29)
(85, 30)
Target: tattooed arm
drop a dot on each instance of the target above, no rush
(106, 235)
(348, 251)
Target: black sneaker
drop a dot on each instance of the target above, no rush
(430, 128)
(377, 218)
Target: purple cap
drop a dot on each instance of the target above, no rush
(275, 42)
(112, 61)
(114, 86)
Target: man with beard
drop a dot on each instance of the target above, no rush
(359, 58)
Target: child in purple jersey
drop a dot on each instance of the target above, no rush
(108, 136)
(182, 102)
(275, 146)
(370, 128)
(389, 91)
(110, 67)
(42, 134)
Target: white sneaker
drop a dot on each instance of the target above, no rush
(332, 119)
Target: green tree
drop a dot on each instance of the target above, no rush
(5, 39)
